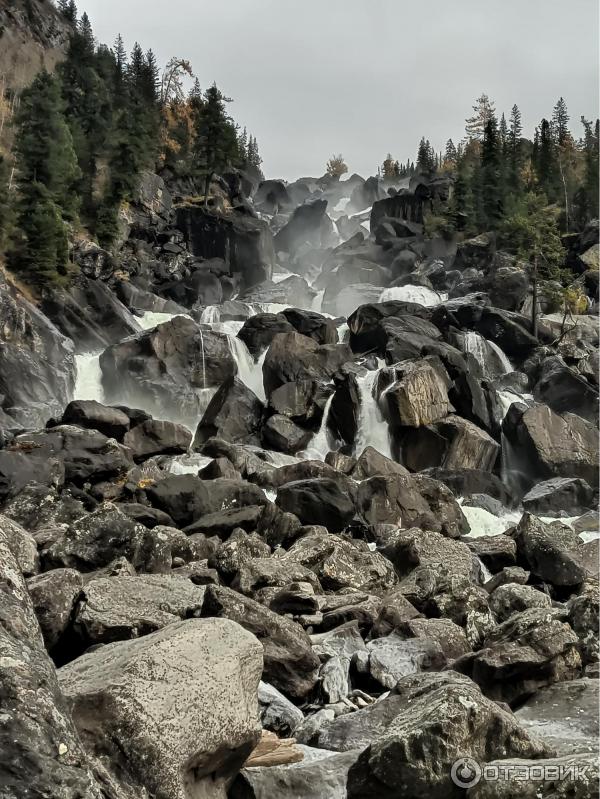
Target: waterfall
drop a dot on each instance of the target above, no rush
(372, 427)
(210, 315)
(249, 371)
(489, 356)
(507, 396)
(88, 384)
(203, 360)
(317, 303)
(420, 295)
(151, 319)
(320, 445)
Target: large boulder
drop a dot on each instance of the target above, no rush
(549, 445)
(570, 495)
(92, 415)
(436, 722)
(130, 707)
(37, 364)
(258, 331)
(309, 225)
(420, 394)
(54, 595)
(234, 414)
(244, 242)
(167, 367)
(41, 749)
(451, 444)
(317, 501)
(562, 389)
(289, 661)
(552, 552)
(292, 357)
(154, 437)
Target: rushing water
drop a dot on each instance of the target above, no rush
(372, 428)
(320, 445)
(420, 295)
(88, 385)
(490, 357)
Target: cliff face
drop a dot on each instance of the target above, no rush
(33, 35)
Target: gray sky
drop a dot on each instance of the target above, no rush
(364, 77)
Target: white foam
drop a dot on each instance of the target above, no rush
(88, 383)
(420, 295)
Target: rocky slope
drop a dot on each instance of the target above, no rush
(288, 469)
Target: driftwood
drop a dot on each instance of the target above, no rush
(274, 751)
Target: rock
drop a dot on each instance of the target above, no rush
(37, 365)
(303, 401)
(157, 438)
(312, 324)
(258, 573)
(393, 657)
(569, 495)
(187, 499)
(128, 705)
(258, 331)
(277, 713)
(19, 468)
(87, 456)
(112, 422)
(510, 574)
(320, 774)
(410, 502)
(550, 445)
(452, 713)
(339, 563)
(584, 615)
(120, 608)
(562, 389)
(309, 224)
(509, 287)
(223, 522)
(22, 545)
(292, 357)
(513, 598)
(420, 394)
(495, 551)
(244, 242)
(451, 444)
(273, 751)
(284, 435)
(54, 595)
(563, 715)
(395, 611)
(293, 289)
(234, 414)
(100, 537)
(289, 662)
(409, 549)
(466, 482)
(317, 501)
(149, 517)
(450, 637)
(40, 746)
(550, 552)
(167, 367)
(371, 463)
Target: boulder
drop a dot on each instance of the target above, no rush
(451, 444)
(420, 394)
(450, 637)
(119, 608)
(552, 552)
(258, 331)
(410, 549)
(289, 662)
(466, 482)
(234, 414)
(340, 563)
(293, 357)
(313, 325)
(41, 749)
(130, 708)
(317, 501)
(562, 389)
(54, 595)
(157, 438)
(309, 224)
(437, 722)
(239, 549)
(513, 598)
(277, 713)
(37, 364)
(92, 415)
(22, 545)
(371, 463)
(167, 367)
(292, 290)
(560, 495)
(283, 435)
(258, 573)
(394, 657)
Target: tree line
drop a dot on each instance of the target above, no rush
(83, 135)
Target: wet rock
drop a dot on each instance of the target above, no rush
(234, 414)
(129, 707)
(40, 746)
(451, 444)
(284, 435)
(371, 463)
(187, 498)
(223, 522)
(166, 367)
(313, 325)
(496, 551)
(420, 394)
(309, 224)
(157, 438)
(568, 495)
(562, 389)
(289, 662)
(100, 537)
(513, 598)
(120, 608)
(53, 595)
(149, 517)
(317, 501)
(551, 552)
(92, 415)
(292, 357)
(340, 563)
(466, 482)
(303, 401)
(258, 331)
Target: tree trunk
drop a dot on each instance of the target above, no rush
(534, 307)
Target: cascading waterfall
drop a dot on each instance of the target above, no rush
(88, 384)
(203, 359)
(320, 445)
(489, 356)
(249, 371)
(151, 319)
(372, 428)
(211, 315)
(420, 295)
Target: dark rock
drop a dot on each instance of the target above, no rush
(371, 463)
(292, 357)
(317, 501)
(236, 551)
(223, 522)
(496, 551)
(562, 389)
(234, 414)
(284, 435)
(157, 438)
(451, 444)
(513, 598)
(149, 517)
(571, 496)
(112, 422)
(259, 331)
(466, 482)
(309, 224)
(550, 552)
(289, 662)
(54, 595)
(313, 325)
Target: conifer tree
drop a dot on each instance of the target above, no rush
(515, 149)
(560, 122)
(491, 177)
(215, 145)
(475, 125)
(336, 166)
(5, 208)
(547, 166)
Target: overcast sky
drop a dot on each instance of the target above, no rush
(364, 77)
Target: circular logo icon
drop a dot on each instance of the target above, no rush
(465, 772)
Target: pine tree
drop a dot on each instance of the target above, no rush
(389, 168)
(491, 177)
(336, 166)
(515, 149)
(5, 208)
(475, 125)
(425, 158)
(450, 155)
(560, 122)
(120, 70)
(215, 145)
(547, 166)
